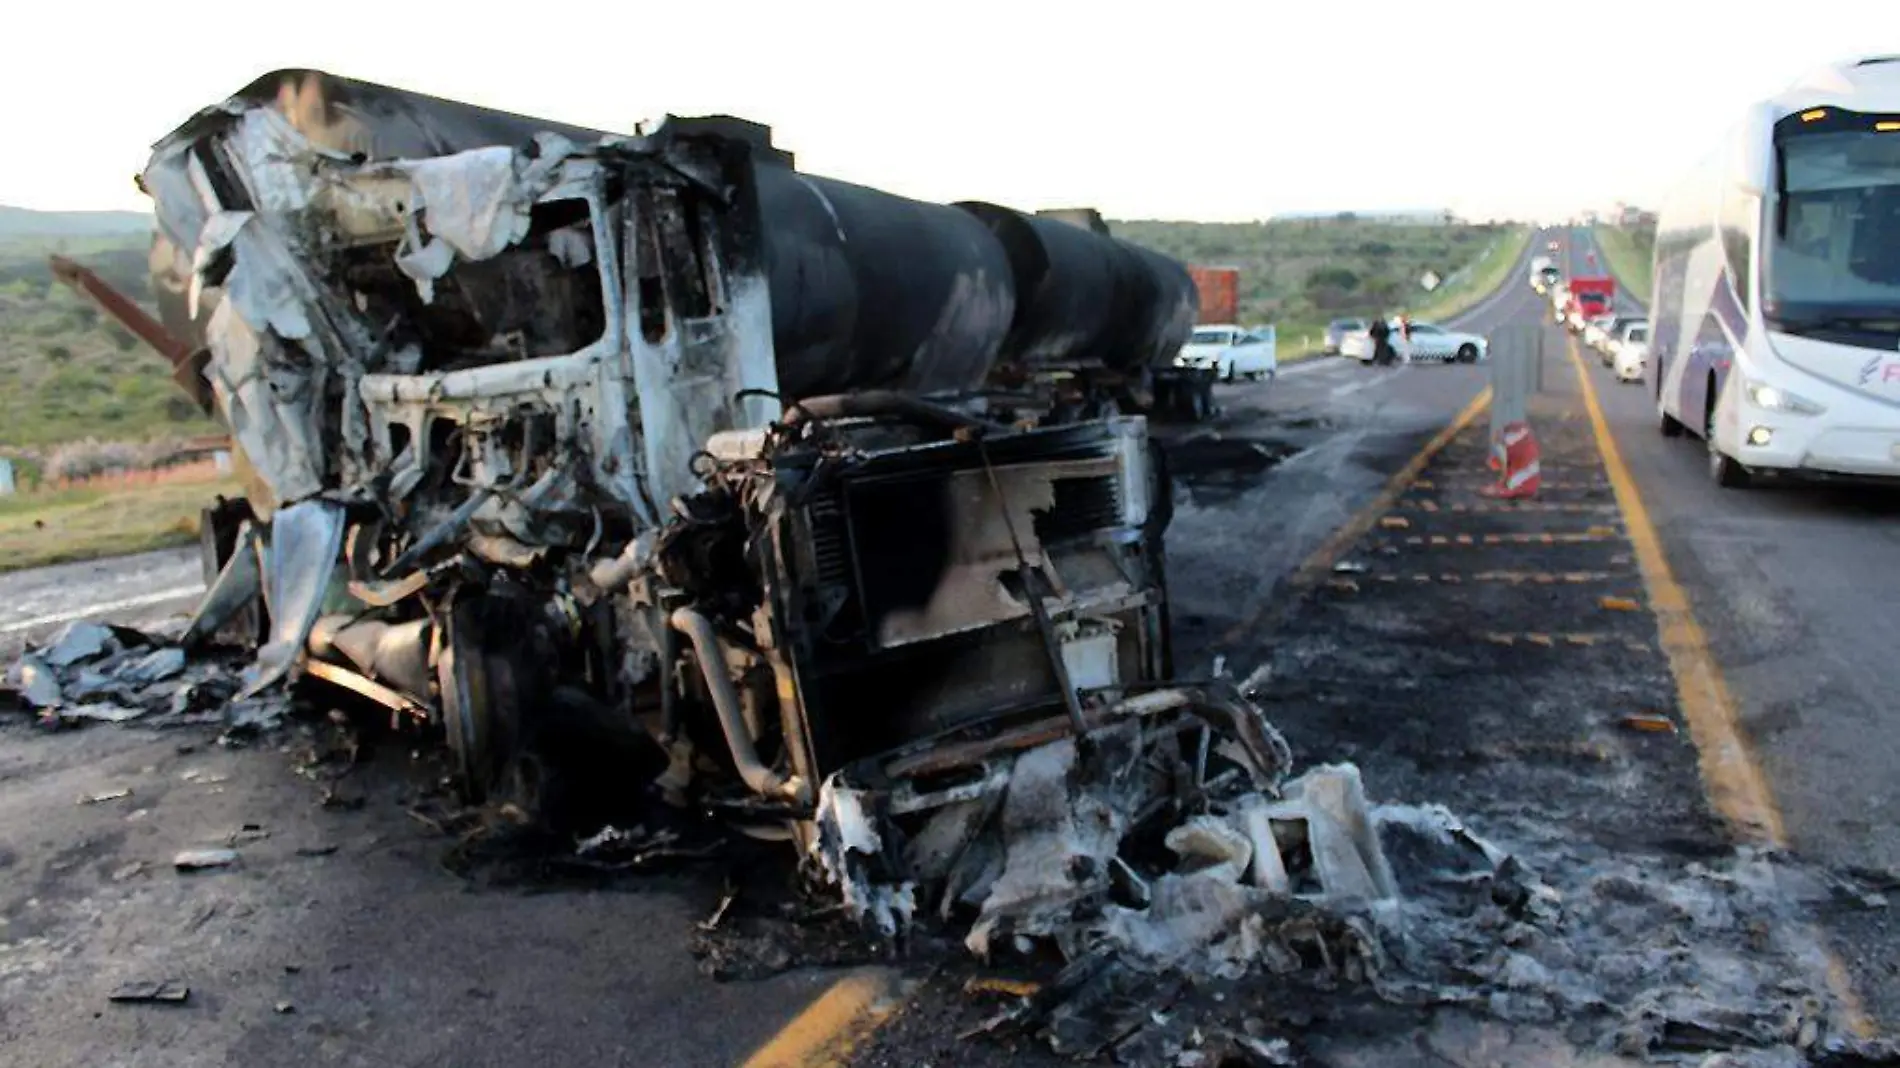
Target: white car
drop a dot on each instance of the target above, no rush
(1429, 341)
(1629, 354)
(1232, 351)
(1613, 335)
(1596, 331)
(1631, 361)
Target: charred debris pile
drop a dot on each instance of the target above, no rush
(803, 508)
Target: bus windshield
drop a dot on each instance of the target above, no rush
(1832, 267)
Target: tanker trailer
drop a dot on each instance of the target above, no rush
(1098, 320)
(654, 457)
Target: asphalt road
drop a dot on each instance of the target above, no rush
(1795, 588)
(341, 938)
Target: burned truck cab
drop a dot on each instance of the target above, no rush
(661, 428)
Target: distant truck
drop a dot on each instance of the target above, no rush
(1220, 294)
(1589, 298)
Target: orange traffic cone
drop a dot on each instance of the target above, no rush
(1515, 458)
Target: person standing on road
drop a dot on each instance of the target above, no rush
(1381, 334)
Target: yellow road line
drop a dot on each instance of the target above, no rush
(1320, 561)
(825, 1032)
(1735, 781)
(1730, 770)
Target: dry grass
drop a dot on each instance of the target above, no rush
(59, 526)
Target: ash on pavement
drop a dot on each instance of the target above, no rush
(1495, 656)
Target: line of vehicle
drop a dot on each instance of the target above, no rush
(143, 600)
(1730, 771)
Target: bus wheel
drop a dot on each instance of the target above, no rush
(1723, 469)
(1668, 425)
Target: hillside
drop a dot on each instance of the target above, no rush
(25, 222)
(1302, 273)
(66, 373)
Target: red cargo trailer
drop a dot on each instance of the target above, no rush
(1220, 293)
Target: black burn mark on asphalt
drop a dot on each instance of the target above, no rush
(1212, 469)
(1401, 676)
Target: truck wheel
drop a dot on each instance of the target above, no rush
(479, 700)
(1200, 403)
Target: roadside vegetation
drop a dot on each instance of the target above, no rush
(67, 372)
(1628, 252)
(105, 518)
(1490, 272)
(98, 437)
(1300, 274)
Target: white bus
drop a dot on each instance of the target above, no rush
(1775, 318)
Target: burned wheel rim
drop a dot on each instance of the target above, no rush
(469, 719)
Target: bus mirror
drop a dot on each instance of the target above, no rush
(1754, 161)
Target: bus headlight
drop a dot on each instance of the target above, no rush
(1762, 395)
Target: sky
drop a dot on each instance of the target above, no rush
(1175, 110)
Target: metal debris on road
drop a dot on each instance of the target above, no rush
(250, 832)
(165, 992)
(91, 673)
(78, 641)
(1350, 567)
(1620, 604)
(110, 795)
(1650, 722)
(284, 1008)
(204, 859)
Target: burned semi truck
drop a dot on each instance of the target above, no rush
(657, 425)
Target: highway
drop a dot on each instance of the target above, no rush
(1792, 585)
(1497, 699)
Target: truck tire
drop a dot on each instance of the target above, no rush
(1200, 402)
